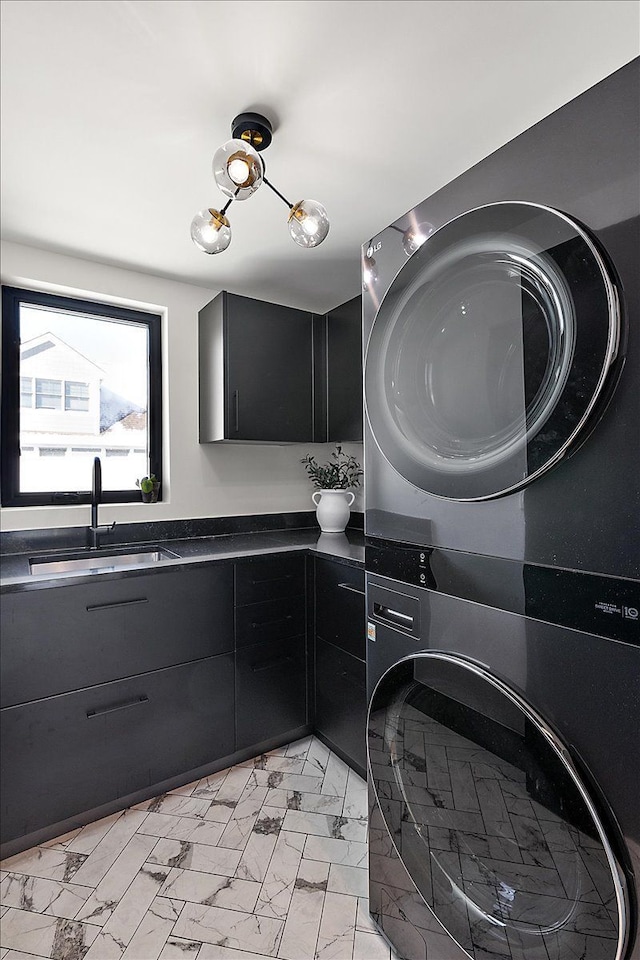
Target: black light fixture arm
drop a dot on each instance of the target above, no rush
(277, 193)
(227, 205)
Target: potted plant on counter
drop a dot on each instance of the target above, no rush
(149, 488)
(333, 481)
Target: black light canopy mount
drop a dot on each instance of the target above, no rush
(239, 171)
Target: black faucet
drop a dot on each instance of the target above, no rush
(96, 496)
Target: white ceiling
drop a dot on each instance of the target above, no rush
(112, 110)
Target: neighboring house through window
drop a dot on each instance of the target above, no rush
(81, 379)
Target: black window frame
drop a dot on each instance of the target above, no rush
(12, 297)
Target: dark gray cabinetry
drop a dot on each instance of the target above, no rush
(67, 754)
(341, 703)
(271, 690)
(74, 636)
(344, 372)
(271, 656)
(340, 606)
(271, 373)
(256, 371)
(110, 688)
(340, 670)
(270, 578)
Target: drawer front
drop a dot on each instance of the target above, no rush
(70, 753)
(340, 606)
(341, 700)
(271, 690)
(74, 636)
(271, 620)
(270, 578)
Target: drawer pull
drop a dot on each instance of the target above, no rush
(393, 616)
(287, 576)
(347, 586)
(116, 603)
(272, 663)
(100, 712)
(271, 623)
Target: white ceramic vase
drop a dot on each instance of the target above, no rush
(332, 509)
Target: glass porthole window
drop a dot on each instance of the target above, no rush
(490, 350)
(490, 817)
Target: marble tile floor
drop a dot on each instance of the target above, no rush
(265, 859)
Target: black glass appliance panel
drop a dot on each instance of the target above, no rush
(602, 605)
(490, 350)
(490, 817)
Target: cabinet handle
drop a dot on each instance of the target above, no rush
(236, 410)
(287, 576)
(116, 603)
(392, 616)
(347, 586)
(270, 623)
(271, 664)
(100, 712)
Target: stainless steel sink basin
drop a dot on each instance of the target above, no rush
(100, 562)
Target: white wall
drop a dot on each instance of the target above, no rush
(200, 480)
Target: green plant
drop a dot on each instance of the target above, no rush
(342, 471)
(147, 483)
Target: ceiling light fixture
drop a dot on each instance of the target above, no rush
(239, 171)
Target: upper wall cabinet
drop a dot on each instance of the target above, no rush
(269, 373)
(344, 372)
(256, 371)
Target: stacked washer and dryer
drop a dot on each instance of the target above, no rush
(502, 446)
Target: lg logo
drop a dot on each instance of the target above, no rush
(371, 249)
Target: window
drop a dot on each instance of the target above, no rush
(80, 379)
(48, 394)
(76, 395)
(26, 392)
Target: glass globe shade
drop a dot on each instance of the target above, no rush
(211, 231)
(238, 169)
(414, 237)
(308, 223)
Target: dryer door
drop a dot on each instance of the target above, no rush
(490, 350)
(493, 823)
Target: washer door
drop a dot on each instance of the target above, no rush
(490, 350)
(490, 817)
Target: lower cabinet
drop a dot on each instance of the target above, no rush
(271, 690)
(340, 670)
(341, 701)
(271, 648)
(66, 754)
(161, 674)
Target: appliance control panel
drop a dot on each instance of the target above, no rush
(605, 606)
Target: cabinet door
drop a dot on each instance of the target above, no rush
(344, 372)
(74, 636)
(273, 577)
(269, 371)
(65, 755)
(271, 690)
(271, 620)
(340, 606)
(341, 701)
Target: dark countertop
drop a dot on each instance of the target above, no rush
(345, 548)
